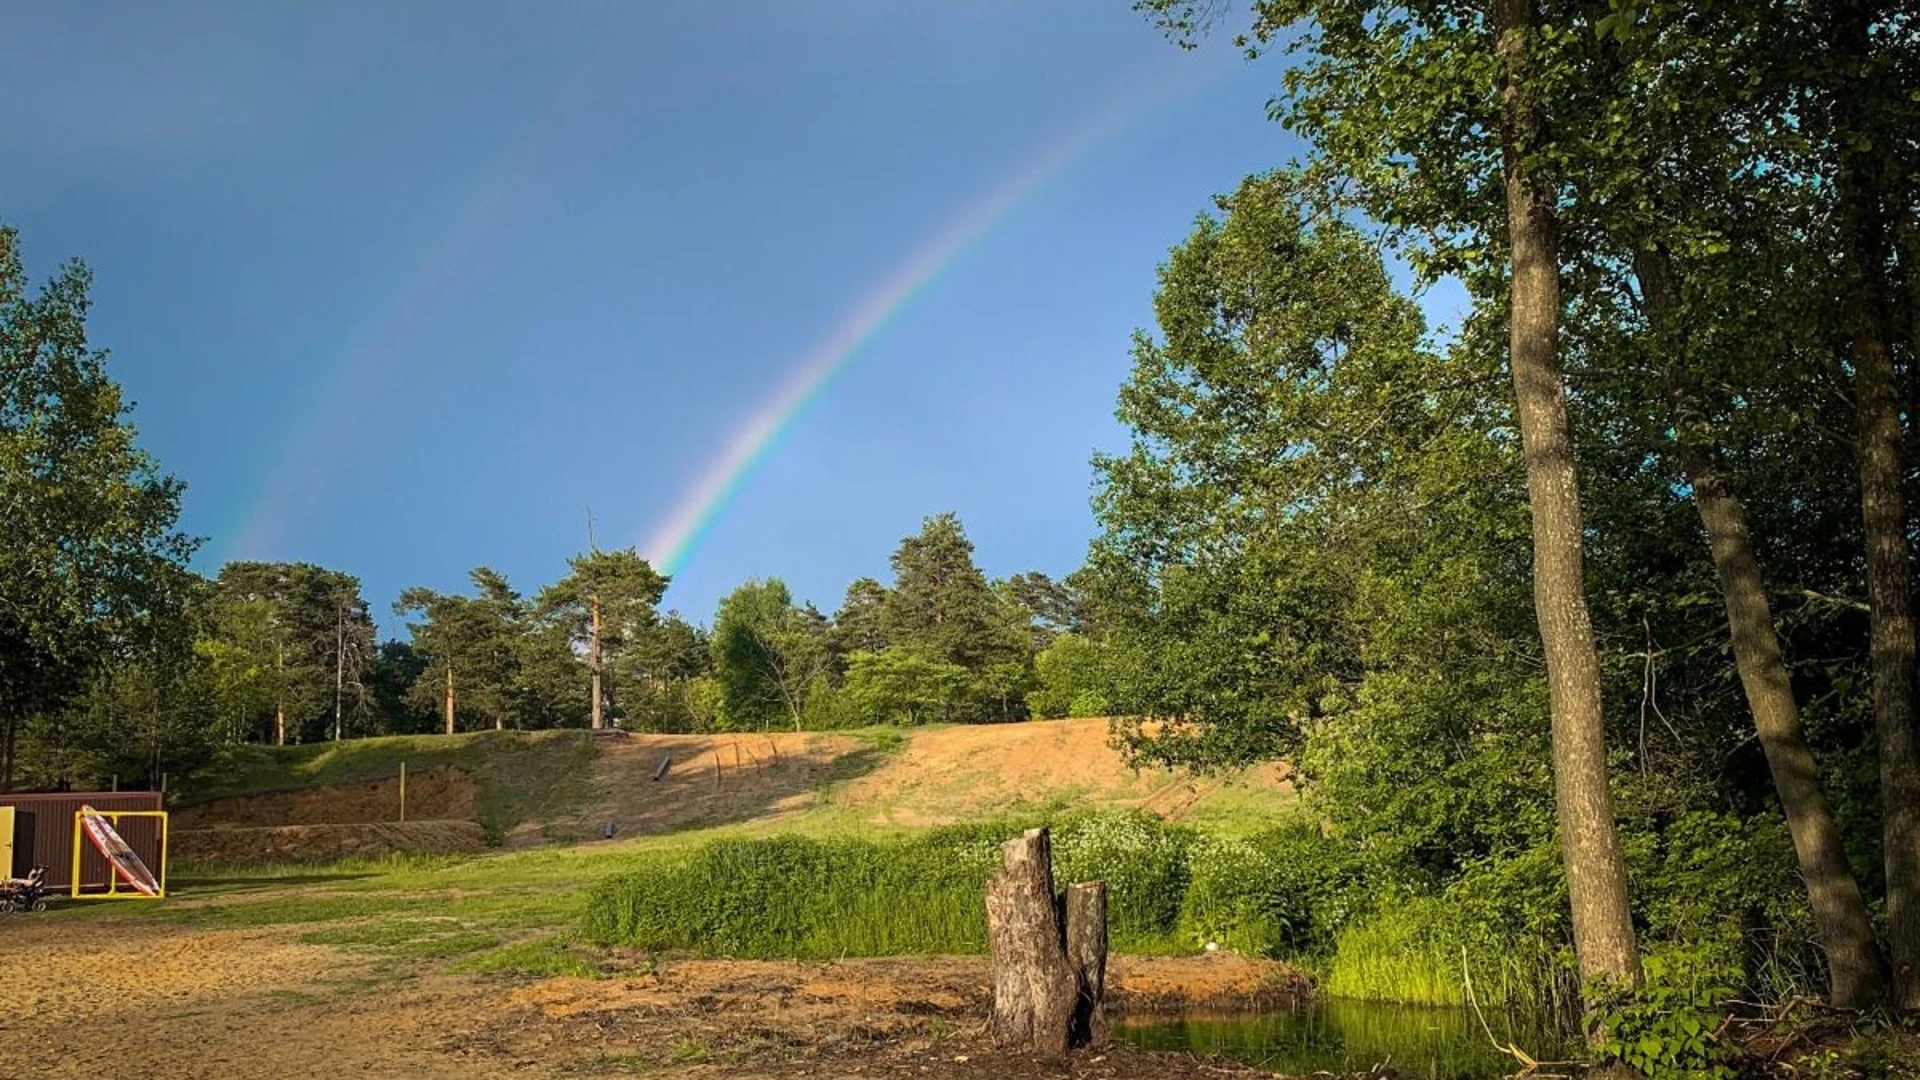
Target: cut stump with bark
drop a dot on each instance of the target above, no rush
(1087, 957)
(1034, 990)
(1048, 979)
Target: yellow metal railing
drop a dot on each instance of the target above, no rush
(114, 890)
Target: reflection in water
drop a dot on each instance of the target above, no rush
(1346, 1036)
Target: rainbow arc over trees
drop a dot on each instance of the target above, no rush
(727, 473)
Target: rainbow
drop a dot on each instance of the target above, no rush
(726, 474)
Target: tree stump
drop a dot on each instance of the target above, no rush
(1034, 990)
(1087, 958)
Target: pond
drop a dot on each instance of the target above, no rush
(1340, 1035)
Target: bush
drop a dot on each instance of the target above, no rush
(1237, 897)
(1144, 863)
(1669, 1028)
(1073, 678)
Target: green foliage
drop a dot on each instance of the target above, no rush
(941, 607)
(1671, 1027)
(768, 656)
(795, 897)
(904, 686)
(1073, 677)
(92, 563)
(1142, 860)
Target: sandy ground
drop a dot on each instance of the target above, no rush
(92, 998)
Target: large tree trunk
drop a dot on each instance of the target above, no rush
(1846, 932)
(1863, 237)
(1596, 871)
(1034, 990)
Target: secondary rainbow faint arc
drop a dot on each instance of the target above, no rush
(707, 498)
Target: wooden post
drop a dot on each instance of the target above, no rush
(1087, 956)
(1034, 990)
(449, 697)
(403, 791)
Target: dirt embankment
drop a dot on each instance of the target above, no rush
(440, 793)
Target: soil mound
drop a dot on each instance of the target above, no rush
(324, 843)
(709, 780)
(957, 774)
(439, 793)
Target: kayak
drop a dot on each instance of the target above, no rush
(125, 862)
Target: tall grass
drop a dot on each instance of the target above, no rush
(794, 897)
(1424, 950)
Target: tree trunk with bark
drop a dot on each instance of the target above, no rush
(1086, 916)
(1596, 871)
(1863, 237)
(449, 700)
(1034, 990)
(1857, 969)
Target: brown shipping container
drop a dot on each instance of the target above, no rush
(53, 833)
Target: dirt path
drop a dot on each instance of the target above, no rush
(89, 998)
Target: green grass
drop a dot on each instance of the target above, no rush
(522, 775)
(541, 958)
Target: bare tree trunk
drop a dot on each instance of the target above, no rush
(449, 707)
(339, 668)
(7, 748)
(1859, 978)
(593, 662)
(1883, 505)
(1596, 871)
(1034, 990)
(1087, 956)
(280, 702)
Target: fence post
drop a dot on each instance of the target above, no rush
(403, 791)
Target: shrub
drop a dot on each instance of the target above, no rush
(1237, 896)
(1142, 860)
(1669, 1028)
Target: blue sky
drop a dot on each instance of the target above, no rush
(404, 288)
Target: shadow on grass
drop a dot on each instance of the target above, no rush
(741, 780)
(221, 883)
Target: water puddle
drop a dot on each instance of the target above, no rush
(1337, 1035)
